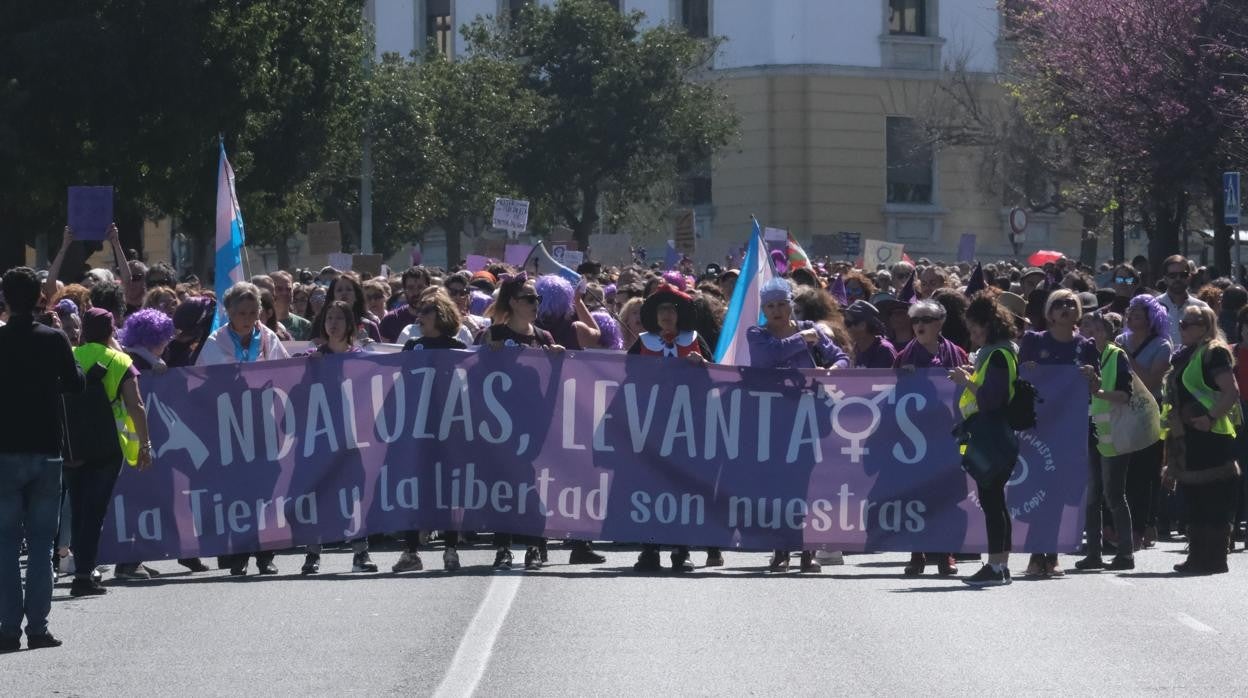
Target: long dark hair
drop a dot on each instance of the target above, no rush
(347, 313)
(985, 311)
(357, 306)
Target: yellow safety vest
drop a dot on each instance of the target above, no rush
(967, 402)
(1194, 381)
(1100, 408)
(118, 364)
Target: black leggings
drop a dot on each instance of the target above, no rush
(412, 538)
(996, 514)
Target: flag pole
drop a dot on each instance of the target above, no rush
(243, 248)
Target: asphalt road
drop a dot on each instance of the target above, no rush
(856, 629)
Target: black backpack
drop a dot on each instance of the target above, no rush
(90, 428)
(1021, 412)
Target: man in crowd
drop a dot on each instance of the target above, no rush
(415, 280)
(283, 284)
(134, 283)
(36, 367)
(1176, 299)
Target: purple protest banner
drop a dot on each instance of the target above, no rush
(90, 212)
(966, 247)
(580, 445)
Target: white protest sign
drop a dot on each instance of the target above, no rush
(875, 252)
(511, 215)
(573, 259)
(340, 260)
(775, 235)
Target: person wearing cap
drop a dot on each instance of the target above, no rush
(871, 348)
(92, 478)
(1058, 345)
(930, 349)
(1017, 308)
(895, 315)
(783, 342)
(669, 319)
(1030, 279)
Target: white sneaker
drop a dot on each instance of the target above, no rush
(408, 562)
(65, 565)
(829, 557)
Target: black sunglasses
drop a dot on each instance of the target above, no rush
(1178, 275)
(458, 291)
(530, 297)
(1185, 324)
(1065, 303)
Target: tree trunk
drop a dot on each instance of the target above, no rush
(1169, 215)
(454, 243)
(283, 255)
(589, 217)
(1221, 232)
(1120, 226)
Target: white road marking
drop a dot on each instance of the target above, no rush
(1192, 623)
(473, 654)
(1115, 579)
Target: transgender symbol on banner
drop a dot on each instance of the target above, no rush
(878, 252)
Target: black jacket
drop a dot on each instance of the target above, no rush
(36, 367)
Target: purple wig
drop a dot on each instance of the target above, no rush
(557, 294)
(148, 328)
(67, 307)
(676, 279)
(1158, 318)
(611, 336)
(479, 302)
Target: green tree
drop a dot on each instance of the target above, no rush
(616, 108)
(134, 93)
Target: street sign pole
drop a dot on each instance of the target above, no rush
(1230, 209)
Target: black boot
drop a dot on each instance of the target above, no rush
(649, 559)
(583, 554)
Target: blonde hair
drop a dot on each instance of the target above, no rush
(1213, 334)
(1060, 294)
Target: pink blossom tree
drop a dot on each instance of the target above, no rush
(1149, 92)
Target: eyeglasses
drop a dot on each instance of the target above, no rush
(459, 292)
(923, 320)
(530, 297)
(1186, 324)
(427, 309)
(1124, 279)
(1065, 304)
(1178, 274)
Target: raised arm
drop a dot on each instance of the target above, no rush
(54, 272)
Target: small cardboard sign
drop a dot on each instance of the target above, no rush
(515, 255)
(340, 260)
(476, 262)
(90, 212)
(324, 237)
(511, 215)
(878, 252)
(366, 265)
(966, 247)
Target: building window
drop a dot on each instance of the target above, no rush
(907, 17)
(516, 10)
(438, 28)
(695, 186)
(695, 17)
(910, 163)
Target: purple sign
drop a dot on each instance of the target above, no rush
(581, 445)
(966, 247)
(90, 212)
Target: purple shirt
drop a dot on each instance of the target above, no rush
(792, 352)
(393, 323)
(881, 354)
(1042, 348)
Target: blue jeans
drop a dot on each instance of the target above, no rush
(30, 506)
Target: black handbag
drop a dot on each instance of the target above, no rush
(991, 446)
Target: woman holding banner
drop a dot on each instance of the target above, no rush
(930, 349)
(990, 446)
(668, 317)
(787, 343)
(439, 324)
(512, 318)
(243, 339)
(338, 336)
(1202, 402)
(1059, 344)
